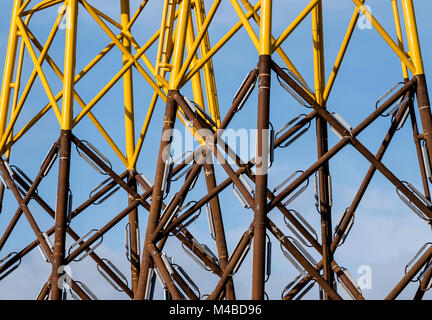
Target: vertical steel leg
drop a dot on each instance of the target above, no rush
(61, 212)
(322, 145)
(258, 268)
(218, 227)
(58, 258)
(157, 195)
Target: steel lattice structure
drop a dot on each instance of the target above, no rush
(177, 58)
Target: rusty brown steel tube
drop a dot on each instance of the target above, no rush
(58, 257)
(179, 197)
(76, 237)
(27, 197)
(262, 152)
(163, 271)
(79, 291)
(184, 286)
(133, 236)
(228, 180)
(212, 145)
(186, 239)
(44, 291)
(342, 143)
(324, 201)
(424, 110)
(394, 293)
(417, 143)
(34, 226)
(219, 230)
(156, 202)
(369, 175)
(97, 196)
(105, 168)
(330, 291)
(424, 283)
(359, 195)
(236, 255)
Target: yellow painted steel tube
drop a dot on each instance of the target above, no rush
(341, 53)
(208, 72)
(9, 67)
(39, 70)
(35, 71)
(266, 28)
(114, 80)
(294, 24)
(162, 40)
(16, 86)
(197, 88)
(219, 45)
(245, 21)
(78, 99)
(318, 53)
(179, 44)
(399, 35)
(40, 6)
(278, 50)
(128, 89)
(23, 6)
(413, 37)
(108, 18)
(144, 130)
(69, 64)
(193, 49)
(401, 54)
(131, 58)
(47, 107)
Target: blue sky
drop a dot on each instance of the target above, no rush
(386, 233)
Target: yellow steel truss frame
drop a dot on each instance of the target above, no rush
(184, 56)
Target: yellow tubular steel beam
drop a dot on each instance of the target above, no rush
(96, 123)
(196, 83)
(318, 53)
(14, 115)
(40, 6)
(197, 41)
(245, 21)
(83, 72)
(413, 37)
(149, 116)
(23, 6)
(278, 50)
(107, 18)
(219, 45)
(37, 63)
(179, 44)
(131, 58)
(16, 86)
(294, 24)
(178, 55)
(341, 53)
(162, 73)
(266, 28)
(165, 34)
(209, 80)
(114, 80)
(137, 13)
(161, 81)
(399, 35)
(9, 67)
(128, 89)
(400, 53)
(144, 130)
(69, 64)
